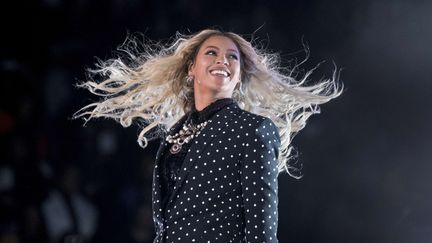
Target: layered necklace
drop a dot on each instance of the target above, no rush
(185, 135)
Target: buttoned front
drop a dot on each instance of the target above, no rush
(227, 187)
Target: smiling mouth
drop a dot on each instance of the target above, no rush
(220, 73)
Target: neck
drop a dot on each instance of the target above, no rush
(202, 100)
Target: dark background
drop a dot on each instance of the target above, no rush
(366, 158)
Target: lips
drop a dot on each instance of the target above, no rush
(220, 72)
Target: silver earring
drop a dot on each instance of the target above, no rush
(240, 88)
(238, 92)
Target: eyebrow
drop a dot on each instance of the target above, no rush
(215, 47)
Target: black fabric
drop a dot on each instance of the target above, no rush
(172, 163)
(226, 190)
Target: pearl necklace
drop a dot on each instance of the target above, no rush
(185, 135)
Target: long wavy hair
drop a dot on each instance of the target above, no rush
(148, 84)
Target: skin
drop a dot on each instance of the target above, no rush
(216, 53)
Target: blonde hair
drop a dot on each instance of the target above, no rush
(151, 84)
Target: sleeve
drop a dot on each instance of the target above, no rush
(259, 183)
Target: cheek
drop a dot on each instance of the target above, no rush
(201, 67)
(238, 71)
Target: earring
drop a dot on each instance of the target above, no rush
(238, 92)
(239, 87)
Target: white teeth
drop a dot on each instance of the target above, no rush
(219, 72)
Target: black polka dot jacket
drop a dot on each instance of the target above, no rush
(227, 189)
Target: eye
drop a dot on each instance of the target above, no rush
(210, 52)
(233, 56)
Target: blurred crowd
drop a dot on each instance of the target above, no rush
(61, 181)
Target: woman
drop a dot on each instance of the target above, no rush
(227, 115)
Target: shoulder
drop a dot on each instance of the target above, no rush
(254, 120)
(254, 124)
(242, 121)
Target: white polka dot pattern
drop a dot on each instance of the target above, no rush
(227, 188)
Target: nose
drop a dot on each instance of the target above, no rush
(222, 60)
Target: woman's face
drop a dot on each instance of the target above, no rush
(216, 69)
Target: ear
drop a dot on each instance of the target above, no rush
(190, 68)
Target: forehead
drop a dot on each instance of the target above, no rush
(221, 42)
